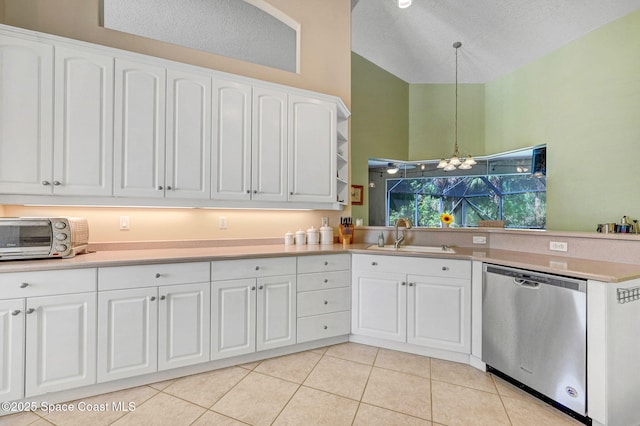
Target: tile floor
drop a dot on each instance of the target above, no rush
(346, 384)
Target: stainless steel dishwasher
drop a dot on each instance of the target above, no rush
(534, 330)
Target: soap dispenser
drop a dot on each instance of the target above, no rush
(381, 240)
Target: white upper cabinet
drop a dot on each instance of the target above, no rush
(312, 150)
(83, 139)
(188, 158)
(269, 145)
(26, 116)
(231, 143)
(139, 130)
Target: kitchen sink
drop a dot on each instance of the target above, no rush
(414, 249)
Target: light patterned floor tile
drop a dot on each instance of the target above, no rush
(206, 389)
(400, 392)
(353, 352)
(339, 376)
(313, 407)
(19, 419)
(368, 415)
(214, 419)
(455, 405)
(162, 409)
(100, 410)
(257, 399)
(407, 363)
(531, 413)
(294, 367)
(462, 375)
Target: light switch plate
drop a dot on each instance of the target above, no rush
(223, 222)
(124, 223)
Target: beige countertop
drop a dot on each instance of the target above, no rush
(573, 267)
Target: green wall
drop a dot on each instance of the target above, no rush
(583, 101)
(379, 121)
(432, 120)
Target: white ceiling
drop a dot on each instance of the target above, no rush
(498, 36)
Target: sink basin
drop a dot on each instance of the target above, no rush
(414, 249)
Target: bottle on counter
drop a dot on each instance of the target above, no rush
(381, 240)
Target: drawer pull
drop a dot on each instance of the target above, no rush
(326, 302)
(253, 288)
(160, 188)
(325, 327)
(163, 297)
(30, 310)
(257, 268)
(158, 275)
(260, 288)
(326, 263)
(16, 312)
(445, 268)
(410, 284)
(24, 285)
(374, 263)
(326, 280)
(403, 283)
(153, 298)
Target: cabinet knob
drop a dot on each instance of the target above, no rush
(374, 263)
(291, 193)
(445, 268)
(152, 298)
(30, 310)
(326, 263)
(46, 182)
(158, 275)
(169, 188)
(257, 268)
(16, 312)
(163, 297)
(325, 327)
(248, 191)
(255, 191)
(253, 288)
(56, 183)
(261, 287)
(160, 188)
(326, 302)
(410, 284)
(326, 280)
(403, 283)
(24, 285)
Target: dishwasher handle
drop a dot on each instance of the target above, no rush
(526, 283)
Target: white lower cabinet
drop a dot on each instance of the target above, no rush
(159, 325)
(47, 332)
(431, 309)
(252, 313)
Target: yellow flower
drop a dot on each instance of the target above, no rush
(446, 218)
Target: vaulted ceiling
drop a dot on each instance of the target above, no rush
(498, 36)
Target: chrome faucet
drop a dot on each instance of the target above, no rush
(400, 238)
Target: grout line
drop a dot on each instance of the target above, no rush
(504, 407)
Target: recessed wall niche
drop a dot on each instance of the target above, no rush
(250, 30)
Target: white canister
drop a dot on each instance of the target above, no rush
(301, 238)
(326, 235)
(313, 236)
(288, 238)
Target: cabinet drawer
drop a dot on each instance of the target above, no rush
(435, 267)
(323, 326)
(327, 262)
(323, 280)
(324, 301)
(47, 283)
(121, 277)
(252, 268)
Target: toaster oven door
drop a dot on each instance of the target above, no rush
(25, 238)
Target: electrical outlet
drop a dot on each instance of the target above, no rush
(479, 239)
(223, 223)
(124, 223)
(558, 246)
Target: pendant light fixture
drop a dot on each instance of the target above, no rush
(456, 162)
(403, 4)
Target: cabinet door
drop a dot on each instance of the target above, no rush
(439, 313)
(60, 343)
(312, 150)
(276, 321)
(83, 140)
(183, 325)
(379, 306)
(127, 333)
(231, 142)
(26, 116)
(188, 171)
(233, 318)
(12, 349)
(269, 145)
(139, 130)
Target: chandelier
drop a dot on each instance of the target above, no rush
(456, 161)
